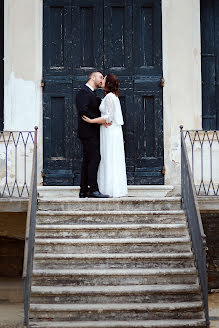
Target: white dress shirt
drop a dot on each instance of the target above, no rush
(89, 86)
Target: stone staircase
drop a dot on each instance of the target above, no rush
(113, 263)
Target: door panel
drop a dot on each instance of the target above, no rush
(118, 37)
(122, 37)
(216, 10)
(57, 38)
(57, 127)
(210, 63)
(149, 135)
(1, 64)
(87, 42)
(147, 47)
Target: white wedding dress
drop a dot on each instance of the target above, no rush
(112, 178)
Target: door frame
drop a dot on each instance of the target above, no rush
(150, 173)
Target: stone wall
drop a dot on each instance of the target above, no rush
(12, 232)
(211, 228)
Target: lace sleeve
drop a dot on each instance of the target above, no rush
(109, 109)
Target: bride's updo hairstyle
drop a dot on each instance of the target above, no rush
(112, 84)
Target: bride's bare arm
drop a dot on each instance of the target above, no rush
(98, 120)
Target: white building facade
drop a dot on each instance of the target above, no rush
(24, 48)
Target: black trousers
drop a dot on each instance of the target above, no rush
(90, 164)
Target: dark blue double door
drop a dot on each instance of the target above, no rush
(115, 36)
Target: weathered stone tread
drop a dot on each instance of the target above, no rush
(134, 200)
(99, 213)
(115, 272)
(52, 256)
(123, 324)
(174, 289)
(112, 241)
(117, 307)
(108, 226)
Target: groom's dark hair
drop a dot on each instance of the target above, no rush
(94, 73)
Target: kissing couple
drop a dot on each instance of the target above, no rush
(103, 170)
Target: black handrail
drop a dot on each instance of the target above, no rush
(30, 235)
(191, 208)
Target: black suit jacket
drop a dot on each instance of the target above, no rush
(87, 104)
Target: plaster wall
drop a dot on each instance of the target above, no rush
(181, 70)
(182, 73)
(23, 68)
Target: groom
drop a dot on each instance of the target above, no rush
(88, 104)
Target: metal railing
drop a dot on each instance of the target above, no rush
(203, 150)
(30, 234)
(191, 208)
(16, 149)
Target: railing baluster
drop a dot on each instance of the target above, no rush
(14, 185)
(209, 184)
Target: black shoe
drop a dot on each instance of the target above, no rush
(83, 194)
(97, 194)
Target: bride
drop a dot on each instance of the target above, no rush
(112, 170)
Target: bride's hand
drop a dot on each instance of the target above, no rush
(87, 119)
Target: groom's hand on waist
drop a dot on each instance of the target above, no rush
(107, 124)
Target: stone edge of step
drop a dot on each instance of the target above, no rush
(112, 241)
(121, 289)
(132, 226)
(102, 213)
(124, 324)
(116, 307)
(115, 272)
(143, 187)
(110, 200)
(42, 256)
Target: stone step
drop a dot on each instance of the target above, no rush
(115, 294)
(110, 217)
(126, 203)
(107, 277)
(117, 262)
(111, 230)
(119, 245)
(115, 311)
(104, 261)
(186, 323)
(134, 191)
(107, 299)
